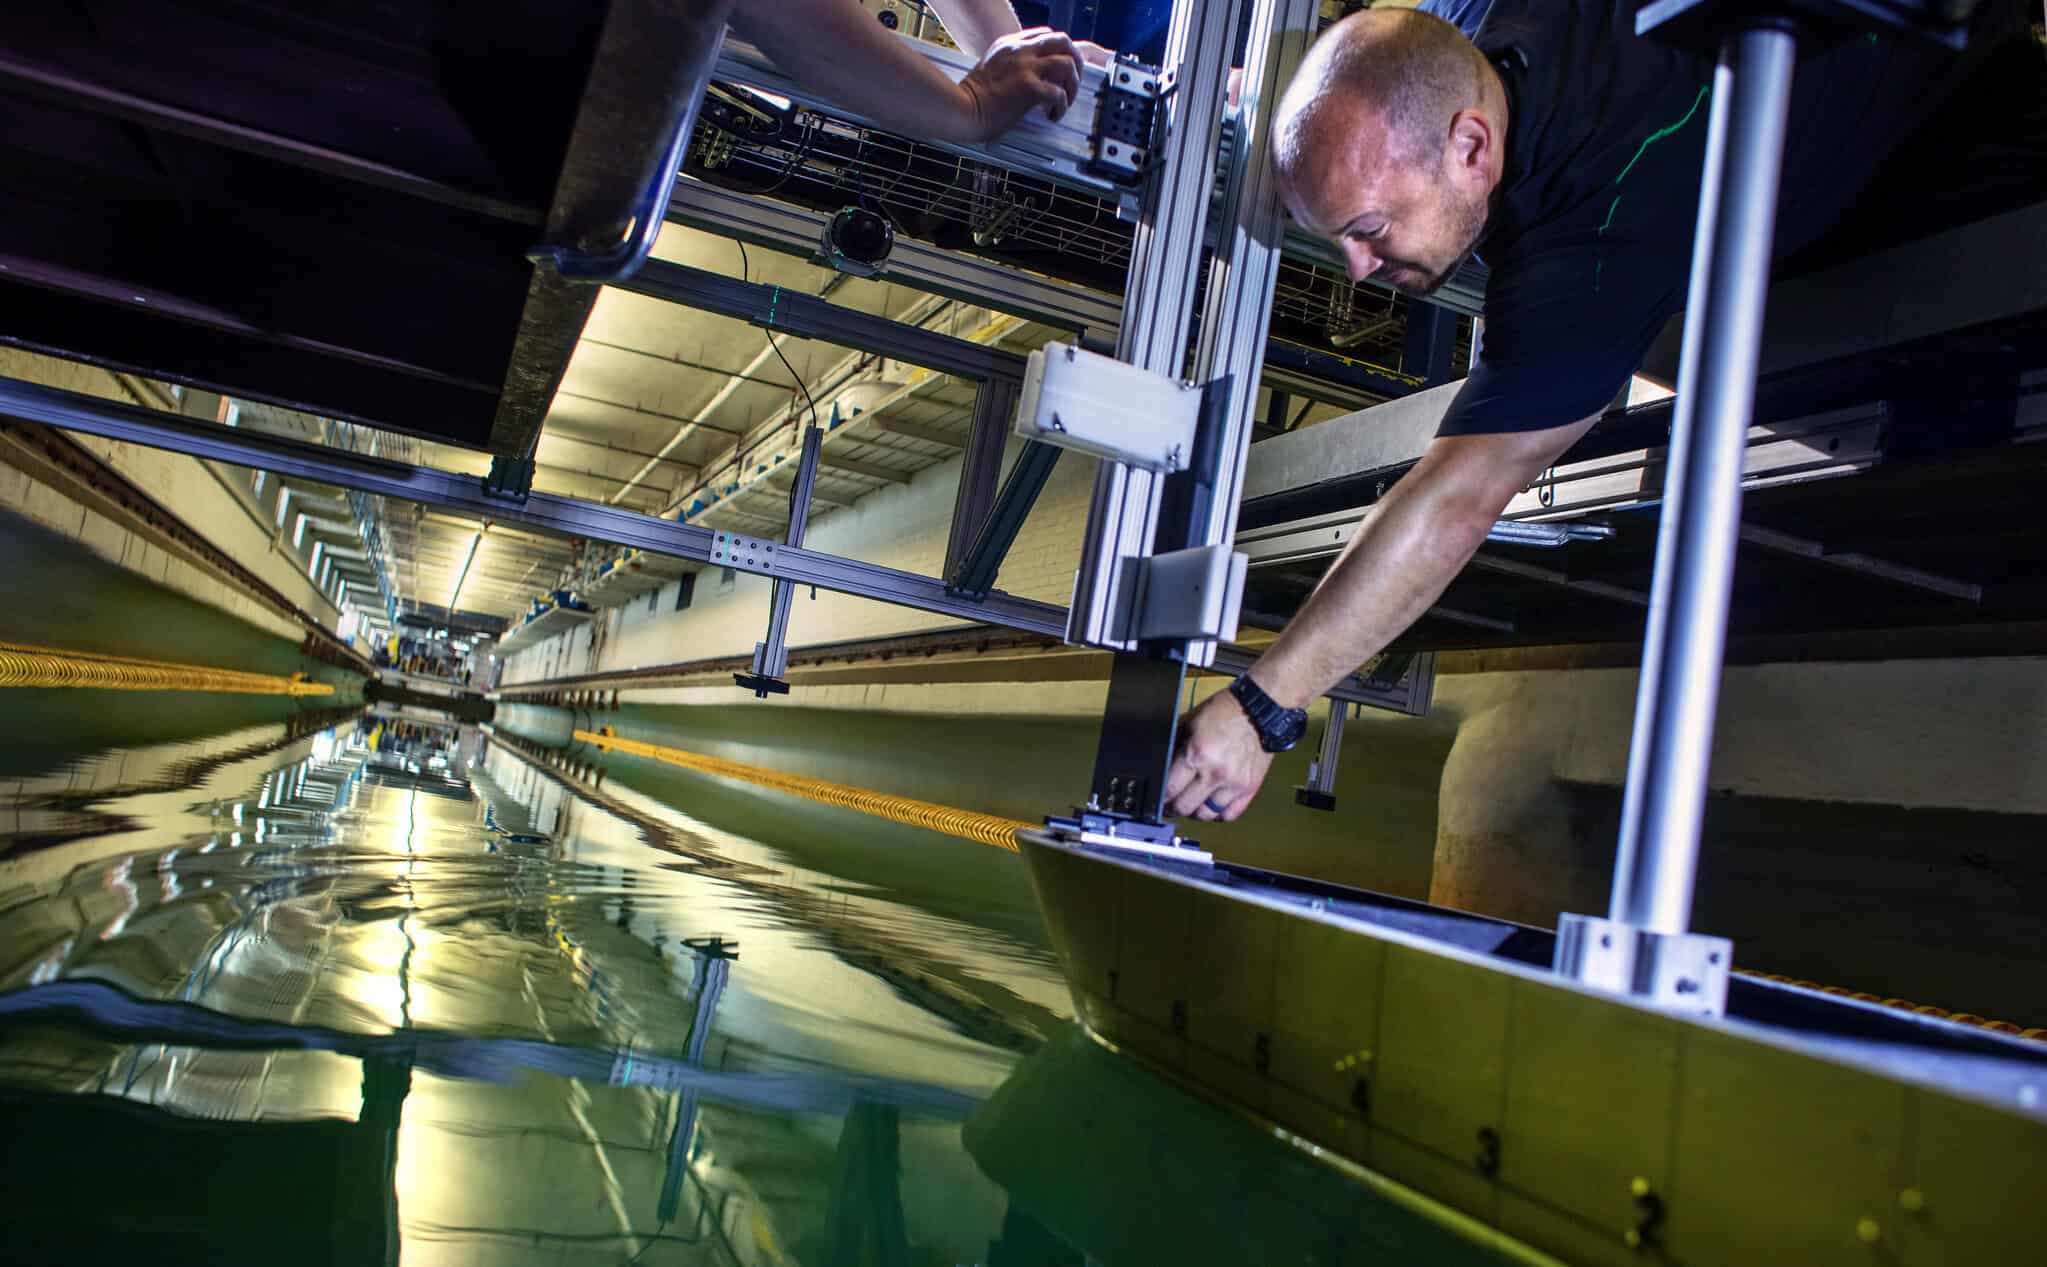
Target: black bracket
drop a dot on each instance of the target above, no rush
(760, 684)
(1128, 120)
(510, 478)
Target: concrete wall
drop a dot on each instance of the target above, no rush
(1877, 826)
(194, 491)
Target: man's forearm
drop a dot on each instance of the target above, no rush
(835, 47)
(1417, 539)
(975, 24)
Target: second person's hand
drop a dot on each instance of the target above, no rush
(1033, 69)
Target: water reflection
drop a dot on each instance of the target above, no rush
(393, 992)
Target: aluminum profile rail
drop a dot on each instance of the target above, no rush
(1165, 261)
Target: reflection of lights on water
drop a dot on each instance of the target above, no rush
(237, 811)
(50, 965)
(323, 746)
(117, 879)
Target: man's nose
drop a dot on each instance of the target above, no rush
(1359, 259)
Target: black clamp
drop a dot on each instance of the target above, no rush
(1128, 119)
(510, 478)
(761, 684)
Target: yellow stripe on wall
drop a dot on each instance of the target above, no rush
(985, 829)
(46, 666)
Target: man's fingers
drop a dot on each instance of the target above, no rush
(1065, 70)
(1177, 779)
(1052, 97)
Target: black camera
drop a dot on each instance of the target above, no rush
(858, 241)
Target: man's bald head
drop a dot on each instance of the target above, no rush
(1411, 71)
(1389, 142)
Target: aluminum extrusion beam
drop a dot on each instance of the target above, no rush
(918, 265)
(1165, 259)
(809, 317)
(980, 470)
(544, 512)
(976, 570)
(1246, 267)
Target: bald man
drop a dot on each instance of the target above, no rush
(1545, 137)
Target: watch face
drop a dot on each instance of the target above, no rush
(1292, 725)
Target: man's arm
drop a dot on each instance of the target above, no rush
(833, 46)
(976, 24)
(1419, 536)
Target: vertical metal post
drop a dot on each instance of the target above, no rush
(1320, 790)
(1687, 634)
(771, 656)
(1165, 259)
(1237, 310)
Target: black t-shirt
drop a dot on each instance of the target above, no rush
(1590, 239)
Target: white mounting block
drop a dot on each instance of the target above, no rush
(1097, 404)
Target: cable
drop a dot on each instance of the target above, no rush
(745, 274)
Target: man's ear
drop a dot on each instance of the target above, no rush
(1471, 143)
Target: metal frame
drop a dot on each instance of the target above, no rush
(771, 656)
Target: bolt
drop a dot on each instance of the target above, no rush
(1685, 985)
(1911, 1200)
(1868, 1231)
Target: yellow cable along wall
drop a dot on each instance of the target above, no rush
(986, 829)
(45, 666)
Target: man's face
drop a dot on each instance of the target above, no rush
(1397, 218)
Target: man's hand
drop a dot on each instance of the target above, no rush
(1034, 69)
(1219, 761)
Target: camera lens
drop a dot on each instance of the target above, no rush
(858, 241)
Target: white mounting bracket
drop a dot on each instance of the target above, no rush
(1187, 594)
(1679, 972)
(1098, 405)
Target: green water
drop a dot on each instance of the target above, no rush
(265, 997)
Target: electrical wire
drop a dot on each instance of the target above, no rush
(746, 274)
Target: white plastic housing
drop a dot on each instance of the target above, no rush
(1097, 404)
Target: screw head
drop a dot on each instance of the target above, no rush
(1868, 1231)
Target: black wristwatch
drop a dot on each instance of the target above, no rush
(1279, 728)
